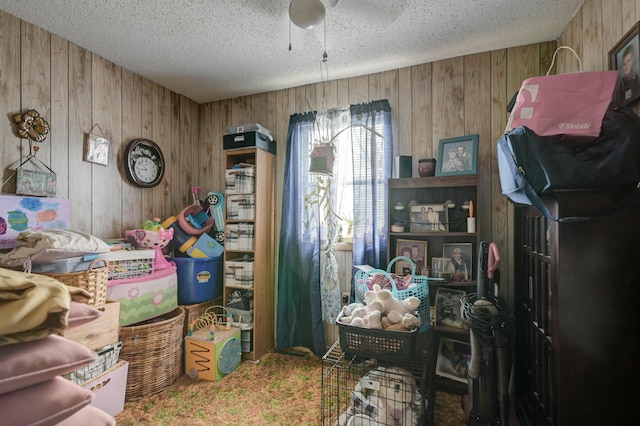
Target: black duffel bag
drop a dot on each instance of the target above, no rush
(532, 166)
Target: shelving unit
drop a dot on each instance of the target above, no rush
(249, 259)
(576, 312)
(434, 191)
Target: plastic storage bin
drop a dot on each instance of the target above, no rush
(62, 266)
(198, 279)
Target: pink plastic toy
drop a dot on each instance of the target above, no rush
(156, 240)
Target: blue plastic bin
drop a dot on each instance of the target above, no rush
(199, 280)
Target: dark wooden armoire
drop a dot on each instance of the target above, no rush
(577, 315)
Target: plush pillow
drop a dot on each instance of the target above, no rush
(25, 364)
(80, 313)
(46, 403)
(89, 415)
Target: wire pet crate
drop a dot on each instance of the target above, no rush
(357, 390)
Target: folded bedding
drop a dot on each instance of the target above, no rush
(33, 306)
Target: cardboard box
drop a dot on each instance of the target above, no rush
(101, 331)
(249, 140)
(145, 297)
(109, 388)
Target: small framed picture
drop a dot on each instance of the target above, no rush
(414, 250)
(458, 156)
(624, 57)
(448, 307)
(453, 359)
(461, 255)
(96, 149)
(429, 218)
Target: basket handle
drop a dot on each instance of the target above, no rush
(406, 259)
(394, 288)
(93, 263)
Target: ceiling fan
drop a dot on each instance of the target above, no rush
(308, 14)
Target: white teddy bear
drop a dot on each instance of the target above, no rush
(360, 315)
(384, 301)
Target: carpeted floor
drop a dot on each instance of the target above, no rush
(280, 389)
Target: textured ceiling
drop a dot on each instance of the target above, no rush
(209, 50)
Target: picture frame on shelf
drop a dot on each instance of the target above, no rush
(624, 57)
(429, 218)
(461, 255)
(415, 250)
(453, 359)
(458, 156)
(448, 307)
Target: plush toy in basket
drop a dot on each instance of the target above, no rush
(382, 310)
(402, 288)
(385, 328)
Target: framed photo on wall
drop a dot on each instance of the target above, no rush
(624, 57)
(429, 218)
(453, 359)
(414, 250)
(458, 156)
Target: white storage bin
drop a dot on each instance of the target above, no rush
(238, 273)
(127, 264)
(239, 236)
(240, 180)
(241, 207)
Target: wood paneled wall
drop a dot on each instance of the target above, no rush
(75, 89)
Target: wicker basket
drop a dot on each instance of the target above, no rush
(153, 349)
(93, 280)
(107, 357)
(193, 312)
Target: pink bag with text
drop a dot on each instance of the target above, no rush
(565, 104)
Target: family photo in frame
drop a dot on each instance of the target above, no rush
(458, 156)
(461, 255)
(414, 250)
(429, 218)
(448, 307)
(624, 57)
(453, 359)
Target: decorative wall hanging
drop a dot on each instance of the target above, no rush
(321, 159)
(32, 126)
(19, 214)
(40, 182)
(96, 147)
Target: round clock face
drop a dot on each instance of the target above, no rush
(144, 163)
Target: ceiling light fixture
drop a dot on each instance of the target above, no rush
(306, 14)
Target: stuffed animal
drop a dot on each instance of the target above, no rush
(383, 300)
(372, 319)
(359, 315)
(353, 311)
(407, 323)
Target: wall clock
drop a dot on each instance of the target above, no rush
(144, 163)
